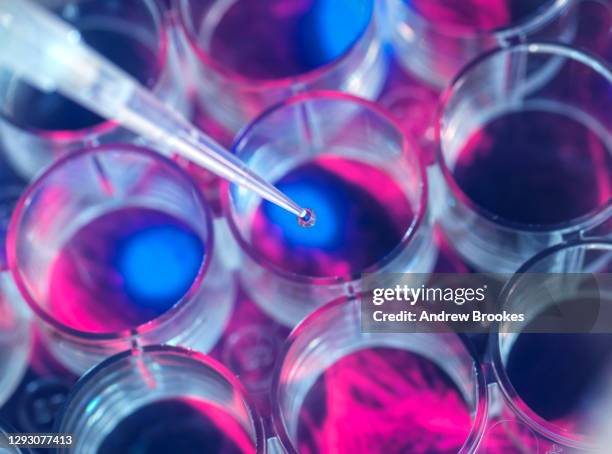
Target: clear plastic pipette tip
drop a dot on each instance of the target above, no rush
(64, 63)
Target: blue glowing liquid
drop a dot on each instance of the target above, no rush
(124, 269)
(275, 38)
(362, 215)
(185, 426)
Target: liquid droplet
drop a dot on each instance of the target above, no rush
(308, 220)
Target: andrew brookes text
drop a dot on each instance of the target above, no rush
(446, 317)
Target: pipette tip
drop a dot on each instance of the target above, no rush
(307, 219)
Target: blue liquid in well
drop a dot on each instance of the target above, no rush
(362, 215)
(124, 269)
(326, 230)
(158, 264)
(276, 38)
(331, 27)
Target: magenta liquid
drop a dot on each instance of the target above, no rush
(478, 15)
(123, 269)
(362, 214)
(383, 401)
(180, 425)
(535, 167)
(33, 108)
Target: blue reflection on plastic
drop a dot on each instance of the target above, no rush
(159, 264)
(331, 27)
(324, 233)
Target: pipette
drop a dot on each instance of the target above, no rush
(51, 55)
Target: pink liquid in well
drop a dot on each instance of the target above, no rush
(477, 15)
(383, 401)
(362, 214)
(179, 425)
(123, 269)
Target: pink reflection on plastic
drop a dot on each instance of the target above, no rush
(231, 428)
(466, 15)
(8, 319)
(509, 436)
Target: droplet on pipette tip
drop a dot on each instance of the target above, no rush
(308, 219)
